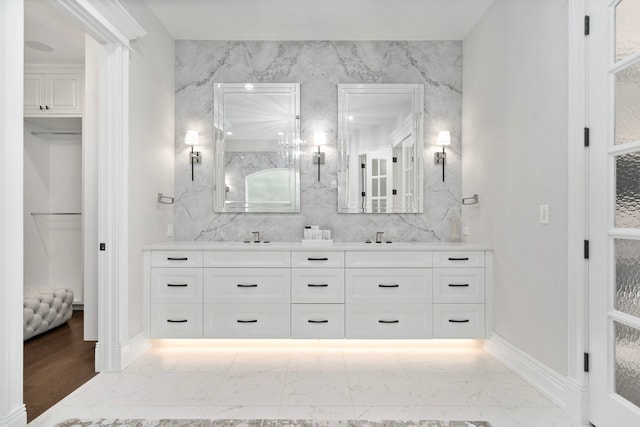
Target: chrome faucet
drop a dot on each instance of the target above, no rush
(379, 236)
(256, 237)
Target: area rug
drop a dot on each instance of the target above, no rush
(265, 423)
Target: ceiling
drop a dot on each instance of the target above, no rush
(268, 20)
(319, 19)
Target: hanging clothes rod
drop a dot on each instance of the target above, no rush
(57, 133)
(55, 213)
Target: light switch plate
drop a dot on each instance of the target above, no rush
(544, 214)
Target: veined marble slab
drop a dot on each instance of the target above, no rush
(340, 246)
(319, 66)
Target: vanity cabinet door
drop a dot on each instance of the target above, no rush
(176, 285)
(176, 259)
(458, 285)
(247, 285)
(389, 321)
(228, 259)
(247, 320)
(317, 258)
(458, 259)
(317, 321)
(392, 259)
(458, 320)
(176, 321)
(317, 285)
(392, 285)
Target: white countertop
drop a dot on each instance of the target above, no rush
(298, 246)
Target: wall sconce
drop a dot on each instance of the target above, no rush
(444, 139)
(319, 139)
(194, 156)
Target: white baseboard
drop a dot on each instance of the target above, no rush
(134, 348)
(17, 418)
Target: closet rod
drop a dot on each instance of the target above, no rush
(57, 133)
(55, 213)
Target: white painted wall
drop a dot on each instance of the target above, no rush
(515, 156)
(151, 147)
(12, 410)
(52, 183)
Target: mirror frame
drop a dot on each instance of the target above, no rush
(344, 90)
(220, 89)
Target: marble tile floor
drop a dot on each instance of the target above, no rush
(312, 382)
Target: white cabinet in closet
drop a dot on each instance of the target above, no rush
(388, 294)
(317, 294)
(247, 294)
(459, 294)
(53, 95)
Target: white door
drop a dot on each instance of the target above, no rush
(614, 213)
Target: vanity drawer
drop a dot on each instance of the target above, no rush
(392, 259)
(247, 320)
(317, 259)
(246, 259)
(458, 285)
(388, 321)
(176, 285)
(458, 321)
(317, 321)
(247, 285)
(176, 258)
(317, 285)
(373, 285)
(458, 259)
(176, 321)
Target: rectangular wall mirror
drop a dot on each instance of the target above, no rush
(256, 147)
(380, 148)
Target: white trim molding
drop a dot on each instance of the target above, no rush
(561, 390)
(133, 349)
(12, 409)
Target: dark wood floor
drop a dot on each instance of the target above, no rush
(55, 364)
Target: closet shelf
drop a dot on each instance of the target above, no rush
(55, 213)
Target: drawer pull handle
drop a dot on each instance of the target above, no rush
(247, 321)
(392, 285)
(177, 259)
(177, 285)
(388, 321)
(458, 321)
(177, 321)
(318, 285)
(459, 259)
(317, 259)
(317, 321)
(250, 285)
(458, 285)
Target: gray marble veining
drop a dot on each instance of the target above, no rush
(318, 66)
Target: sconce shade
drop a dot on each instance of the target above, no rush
(191, 138)
(444, 138)
(319, 138)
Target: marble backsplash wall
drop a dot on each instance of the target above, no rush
(319, 66)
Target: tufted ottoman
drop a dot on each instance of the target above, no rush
(45, 309)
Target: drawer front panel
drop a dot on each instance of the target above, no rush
(176, 321)
(176, 258)
(247, 320)
(246, 259)
(388, 321)
(458, 259)
(393, 259)
(458, 321)
(247, 285)
(317, 259)
(176, 285)
(317, 285)
(317, 321)
(458, 285)
(377, 285)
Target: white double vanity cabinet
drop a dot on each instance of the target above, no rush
(287, 290)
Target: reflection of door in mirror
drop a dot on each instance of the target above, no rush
(257, 140)
(378, 126)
